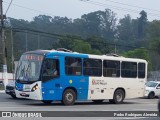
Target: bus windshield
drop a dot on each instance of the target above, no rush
(29, 67)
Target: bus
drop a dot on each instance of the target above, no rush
(66, 76)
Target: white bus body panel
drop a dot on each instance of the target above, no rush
(104, 87)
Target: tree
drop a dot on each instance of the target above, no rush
(99, 44)
(125, 30)
(139, 53)
(99, 23)
(141, 23)
(76, 44)
(153, 41)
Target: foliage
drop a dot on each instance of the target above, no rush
(140, 53)
(94, 33)
(141, 23)
(76, 44)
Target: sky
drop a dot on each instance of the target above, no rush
(28, 9)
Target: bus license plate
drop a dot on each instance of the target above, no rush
(26, 87)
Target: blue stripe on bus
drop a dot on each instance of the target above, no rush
(53, 89)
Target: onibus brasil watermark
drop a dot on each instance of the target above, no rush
(79, 114)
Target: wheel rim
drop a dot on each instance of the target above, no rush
(69, 97)
(119, 97)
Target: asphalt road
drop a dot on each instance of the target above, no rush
(139, 104)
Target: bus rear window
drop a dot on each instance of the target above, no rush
(141, 70)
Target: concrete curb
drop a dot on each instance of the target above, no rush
(2, 91)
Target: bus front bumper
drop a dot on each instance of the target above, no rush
(36, 95)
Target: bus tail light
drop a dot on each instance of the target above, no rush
(34, 88)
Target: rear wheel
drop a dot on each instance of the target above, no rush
(151, 95)
(118, 97)
(69, 97)
(47, 102)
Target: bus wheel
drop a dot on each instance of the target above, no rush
(69, 97)
(151, 95)
(47, 102)
(118, 96)
(97, 101)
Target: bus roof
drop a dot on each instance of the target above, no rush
(76, 54)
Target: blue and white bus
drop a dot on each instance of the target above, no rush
(66, 76)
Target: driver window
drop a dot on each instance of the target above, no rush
(50, 69)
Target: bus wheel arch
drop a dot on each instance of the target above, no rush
(69, 96)
(118, 97)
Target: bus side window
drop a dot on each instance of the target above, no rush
(73, 66)
(129, 69)
(111, 68)
(141, 70)
(50, 69)
(92, 67)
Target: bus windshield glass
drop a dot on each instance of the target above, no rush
(29, 67)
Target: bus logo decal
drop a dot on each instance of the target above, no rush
(70, 81)
(98, 82)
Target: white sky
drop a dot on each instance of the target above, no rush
(27, 9)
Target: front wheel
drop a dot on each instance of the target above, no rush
(69, 97)
(118, 97)
(151, 95)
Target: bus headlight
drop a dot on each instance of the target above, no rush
(34, 88)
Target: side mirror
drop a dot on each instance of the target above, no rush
(158, 87)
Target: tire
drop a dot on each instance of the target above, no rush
(97, 101)
(13, 96)
(158, 106)
(118, 97)
(47, 102)
(151, 95)
(69, 97)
